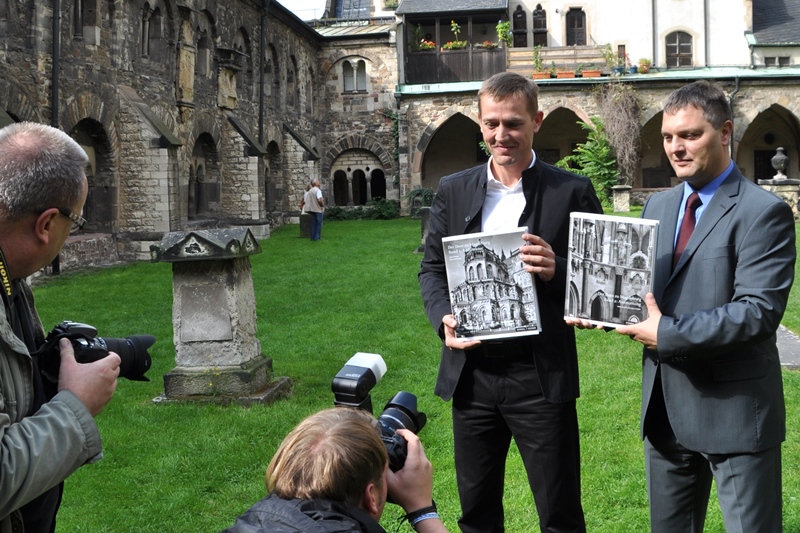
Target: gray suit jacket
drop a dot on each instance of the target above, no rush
(550, 195)
(722, 304)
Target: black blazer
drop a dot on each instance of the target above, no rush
(551, 194)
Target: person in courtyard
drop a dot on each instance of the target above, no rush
(314, 205)
(331, 474)
(712, 391)
(523, 388)
(45, 435)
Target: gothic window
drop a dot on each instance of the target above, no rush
(310, 92)
(679, 49)
(77, 19)
(152, 29)
(539, 26)
(276, 75)
(203, 62)
(244, 77)
(290, 83)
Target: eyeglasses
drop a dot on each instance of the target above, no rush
(78, 222)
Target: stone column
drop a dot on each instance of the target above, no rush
(350, 190)
(369, 187)
(217, 354)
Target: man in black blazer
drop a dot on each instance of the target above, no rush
(525, 387)
(712, 393)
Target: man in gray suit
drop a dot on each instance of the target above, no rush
(712, 393)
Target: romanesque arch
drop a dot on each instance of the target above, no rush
(89, 118)
(771, 126)
(101, 207)
(560, 133)
(448, 146)
(15, 101)
(352, 153)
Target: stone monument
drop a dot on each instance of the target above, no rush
(217, 354)
(780, 184)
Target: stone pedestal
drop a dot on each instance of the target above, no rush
(622, 198)
(787, 189)
(305, 226)
(424, 218)
(217, 354)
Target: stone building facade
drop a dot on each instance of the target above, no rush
(204, 113)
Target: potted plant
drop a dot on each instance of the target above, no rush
(487, 44)
(504, 32)
(589, 71)
(455, 45)
(644, 65)
(565, 73)
(539, 73)
(632, 69)
(425, 46)
(614, 62)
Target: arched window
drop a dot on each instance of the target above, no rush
(679, 49)
(539, 26)
(349, 77)
(361, 76)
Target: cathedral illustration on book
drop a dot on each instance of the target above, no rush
(610, 269)
(497, 294)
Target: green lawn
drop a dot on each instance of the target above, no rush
(194, 468)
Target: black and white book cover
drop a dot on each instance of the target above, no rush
(610, 268)
(491, 294)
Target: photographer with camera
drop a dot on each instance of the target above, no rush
(47, 431)
(331, 474)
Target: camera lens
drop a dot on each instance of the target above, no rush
(132, 351)
(400, 413)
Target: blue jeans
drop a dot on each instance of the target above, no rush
(316, 226)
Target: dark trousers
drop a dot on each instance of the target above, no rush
(316, 226)
(498, 398)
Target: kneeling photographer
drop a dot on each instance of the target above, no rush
(331, 474)
(47, 427)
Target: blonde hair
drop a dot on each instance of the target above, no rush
(333, 454)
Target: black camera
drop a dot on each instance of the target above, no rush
(351, 388)
(135, 361)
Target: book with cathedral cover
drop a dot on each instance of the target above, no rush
(492, 296)
(609, 268)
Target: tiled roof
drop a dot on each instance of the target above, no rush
(359, 30)
(407, 7)
(776, 21)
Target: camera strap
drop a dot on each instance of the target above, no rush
(7, 289)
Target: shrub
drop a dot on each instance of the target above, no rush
(595, 160)
(377, 209)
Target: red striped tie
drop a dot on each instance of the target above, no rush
(687, 226)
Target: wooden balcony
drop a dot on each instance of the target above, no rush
(446, 66)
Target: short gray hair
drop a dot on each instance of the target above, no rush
(40, 167)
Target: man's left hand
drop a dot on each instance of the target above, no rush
(538, 257)
(645, 332)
